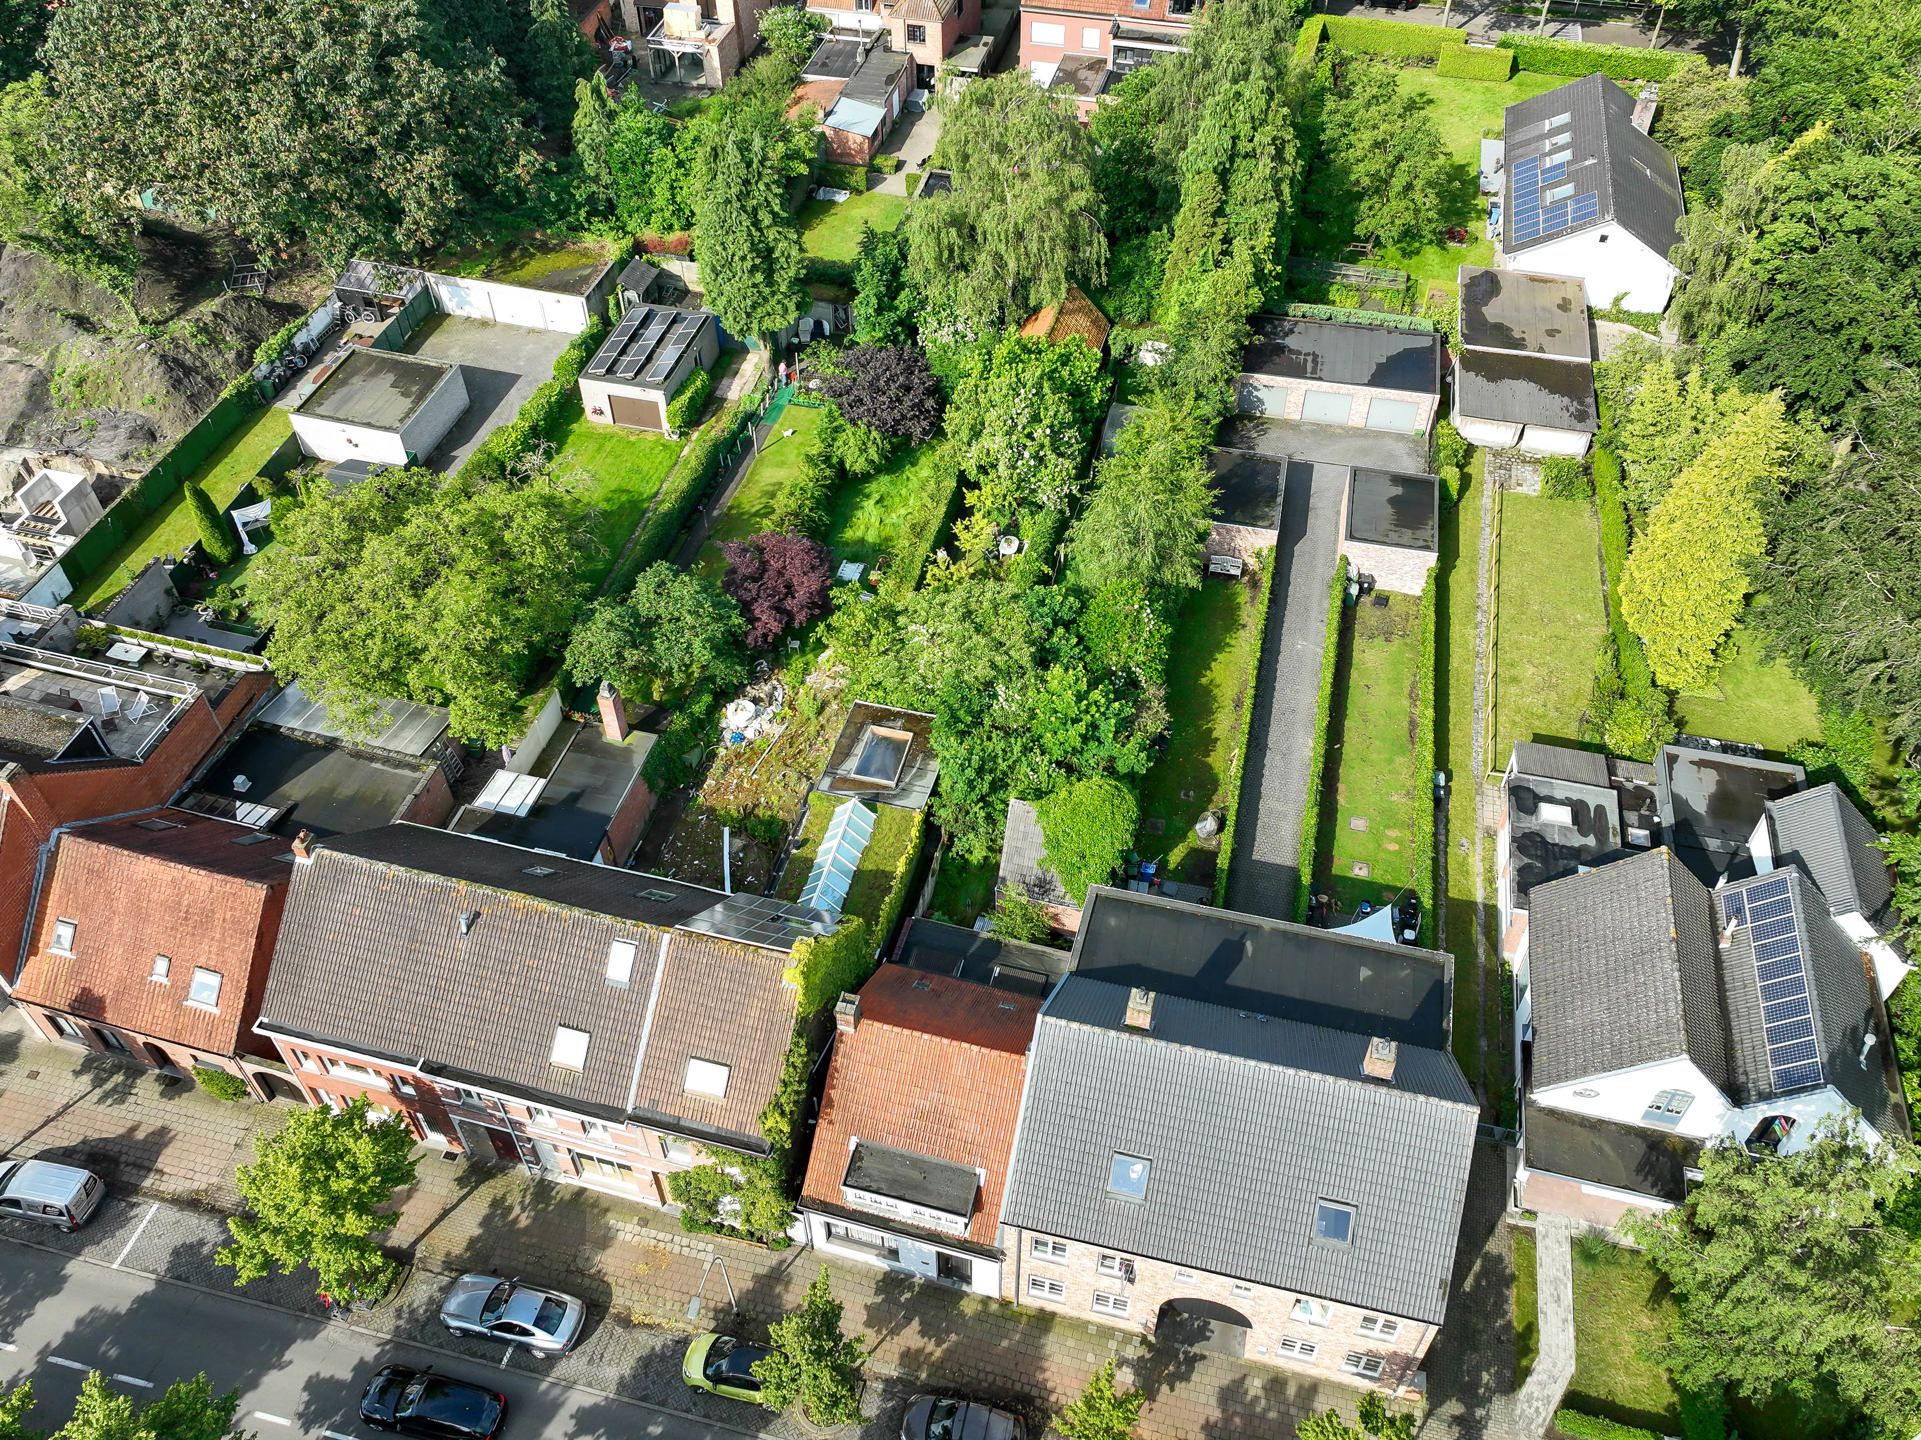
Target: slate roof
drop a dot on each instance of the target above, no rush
(372, 957)
(1370, 355)
(1023, 864)
(934, 1068)
(193, 892)
(1634, 180)
(1246, 1122)
(1623, 972)
(986, 959)
(1821, 832)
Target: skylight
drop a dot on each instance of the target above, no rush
(620, 962)
(570, 1048)
(1127, 1177)
(1334, 1222)
(706, 1077)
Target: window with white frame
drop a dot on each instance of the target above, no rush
(1044, 33)
(1667, 1107)
(346, 1070)
(63, 932)
(1113, 1265)
(620, 962)
(1381, 1327)
(594, 1129)
(404, 1085)
(1045, 1247)
(1368, 1367)
(1333, 1222)
(1091, 39)
(1312, 1312)
(678, 1151)
(707, 1077)
(1108, 1304)
(538, 1116)
(162, 968)
(1041, 1287)
(205, 989)
(570, 1048)
(593, 1167)
(1299, 1349)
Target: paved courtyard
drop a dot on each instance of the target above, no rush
(502, 365)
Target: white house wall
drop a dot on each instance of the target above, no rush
(917, 1256)
(1488, 434)
(1623, 1095)
(1610, 261)
(334, 440)
(1547, 440)
(509, 304)
(429, 425)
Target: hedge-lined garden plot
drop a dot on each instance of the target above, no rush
(1549, 621)
(623, 470)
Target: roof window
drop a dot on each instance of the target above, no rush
(162, 968)
(1334, 1222)
(1127, 1177)
(63, 932)
(659, 897)
(1553, 812)
(253, 837)
(1555, 122)
(156, 823)
(1667, 1107)
(620, 962)
(205, 989)
(539, 872)
(708, 1077)
(570, 1048)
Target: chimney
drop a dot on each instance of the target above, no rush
(1642, 118)
(613, 713)
(467, 919)
(302, 846)
(1140, 1009)
(1379, 1062)
(847, 1012)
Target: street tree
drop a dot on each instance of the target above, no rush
(747, 240)
(317, 1195)
(185, 1410)
(813, 1364)
(1087, 828)
(14, 1405)
(1790, 1277)
(1689, 571)
(1022, 220)
(1146, 521)
(889, 388)
(1102, 1411)
(780, 581)
(1376, 1423)
(673, 631)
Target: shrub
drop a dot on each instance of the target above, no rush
(221, 1084)
(746, 1196)
(676, 756)
(814, 1364)
(818, 270)
(932, 512)
(1134, 278)
(1393, 38)
(1475, 62)
(1579, 1426)
(1451, 455)
(826, 965)
(1018, 916)
(1308, 44)
(1317, 755)
(217, 539)
(1087, 826)
(842, 177)
(684, 409)
(1571, 57)
(679, 243)
(780, 581)
(1627, 712)
(1564, 478)
(552, 407)
(887, 164)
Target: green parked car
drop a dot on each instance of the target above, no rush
(722, 1365)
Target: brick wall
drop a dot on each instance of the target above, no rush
(630, 818)
(432, 803)
(1393, 567)
(139, 1048)
(1358, 396)
(1272, 1314)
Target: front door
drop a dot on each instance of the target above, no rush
(955, 1269)
(923, 77)
(483, 1142)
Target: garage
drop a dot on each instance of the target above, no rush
(1524, 376)
(379, 407)
(637, 411)
(1376, 375)
(644, 362)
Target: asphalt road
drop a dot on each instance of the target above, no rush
(60, 1318)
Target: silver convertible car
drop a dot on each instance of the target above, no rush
(489, 1308)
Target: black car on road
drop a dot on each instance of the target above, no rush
(435, 1407)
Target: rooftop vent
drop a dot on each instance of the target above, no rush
(847, 1013)
(1378, 1064)
(1140, 1009)
(467, 919)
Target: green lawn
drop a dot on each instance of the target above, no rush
(873, 874)
(752, 508)
(1551, 621)
(1527, 1318)
(1209, 678)
(624, 469)
(1468, 110)
(170, 529)
(1455, 647)
(832, 232)
(1375, 781)
(963, 889)
(1750, 699)
(870, 515)
(1621, 1308)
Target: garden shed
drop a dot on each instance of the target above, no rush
(643, 363)
(380, 406)
(1391, 527)
(1524, 376)
(1364, 376)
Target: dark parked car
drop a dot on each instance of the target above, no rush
(723, 1365)
(489, 1308)
(941, 1417)
(436, 1407)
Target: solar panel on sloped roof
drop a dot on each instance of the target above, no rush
(611, 348)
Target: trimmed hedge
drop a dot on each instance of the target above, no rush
(1234, 769)
(1545, 56)
(1308, 43)
(931, 517)
(1577, 1425)
(1344, 315)
(1426, 761)
(1452, 456)
(686, 486)
(221, 1084)
(686, 406)
(1043, 533)
(554, 405)
(1317, 758)
(1477, 62)
(842, 177)
(1393, 37)
(1611, 503)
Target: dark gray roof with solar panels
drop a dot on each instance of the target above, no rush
(647, 346)
(1574, 161)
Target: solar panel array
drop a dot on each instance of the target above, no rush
(760, 920)
(613, 346)
(651, 339)
(1533, 217)
(1766, 910)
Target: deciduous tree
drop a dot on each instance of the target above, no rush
(886, 309)
(1151, 506)
(813, 1363)
(790, 32)
(1087, 828)
(1023, 416)
(551, 59)
(780, 581)
(186, 1410)
(672, 631)
(888, 388)
(1380, 157)
(317, 1195)
(1102, 1411)
(14, 1405)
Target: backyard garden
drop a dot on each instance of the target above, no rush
(1548, 624)
(621, 472)
(830, 231)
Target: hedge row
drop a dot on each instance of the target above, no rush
(1426, 761)
(1239, 762)
(933, 513)
(686, 486)
(842, 177)
(1475, 62)
(687, 733)
(554, 405)
(685, 407)
(1546, 56)
(817, 270)
(1392, 37)
(1577, 1425)
(1317, 757)
(1308, 43)
(1347, 315)
(1611, 502)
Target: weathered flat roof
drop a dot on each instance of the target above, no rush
(1372, 355)
(375, 388)
(1388, 508)
(1248, 487)
(1524, 390)
(1513, 310)
(326, 788)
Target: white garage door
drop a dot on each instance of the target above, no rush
(1327, 408)
(1401, 415)
(515, 306)
(1259, 397)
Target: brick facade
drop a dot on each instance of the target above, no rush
(1394, 567)
(1278, 1331)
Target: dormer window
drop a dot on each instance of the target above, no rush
(620, 962)
(570, 1048)
(63, 931)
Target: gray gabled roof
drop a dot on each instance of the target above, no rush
(1622, 972)
(1246, 1122)
(1831, 842)
(1024, 858)
(1634, 181)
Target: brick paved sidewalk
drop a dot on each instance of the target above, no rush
(634, 1265)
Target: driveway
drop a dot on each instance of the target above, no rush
(1264, 874)
(502, 365)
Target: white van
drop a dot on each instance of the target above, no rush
(49, 1194)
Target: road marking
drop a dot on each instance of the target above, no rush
(271, 1419)
(67, 1364)
(134, 1380)
(134, 1239)
(505, 1356)
(336, 1435)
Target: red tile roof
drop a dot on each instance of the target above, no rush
(134, 891)
(1075, 315)
(935, 1067)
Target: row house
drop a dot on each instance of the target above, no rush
(85, 738)
(928, 32)
(1085, 46)
(152, 943)
(596, 1026)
